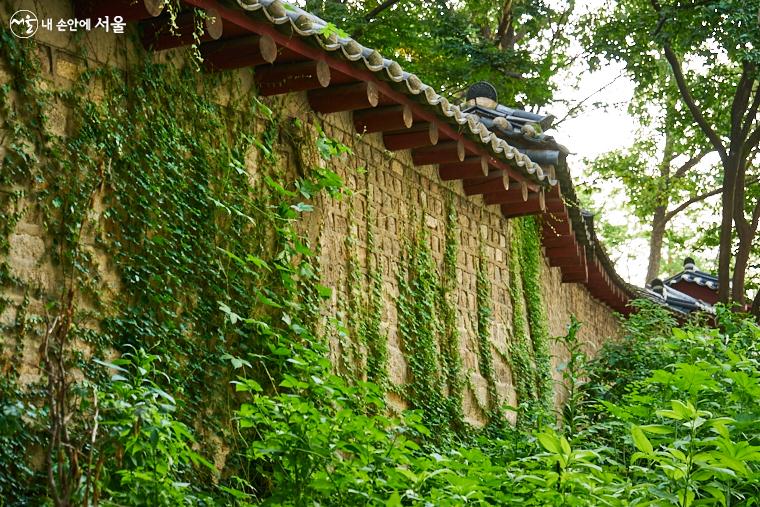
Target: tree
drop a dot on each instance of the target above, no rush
(660, 172)
(517, 45)
(712, 48)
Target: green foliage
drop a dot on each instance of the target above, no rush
(139, 428)
(485, 356)
(529, 350)
(573, 378)
(517, 46)
(649, 444)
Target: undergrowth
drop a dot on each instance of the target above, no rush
(205, 379)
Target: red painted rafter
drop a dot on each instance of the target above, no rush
(295, 44)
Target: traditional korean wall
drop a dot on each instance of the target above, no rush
(401, 199)
(391, 199)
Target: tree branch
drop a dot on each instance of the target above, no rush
(689, 164)
(688, 99)
(753, 140)
(751, 113)
(380, 8)
(740, 102)
(699, 198)
(579, 105)
(755, 216)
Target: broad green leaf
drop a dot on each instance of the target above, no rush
(641, 441)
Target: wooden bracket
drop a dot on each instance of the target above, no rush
(292, 77)
(246, 51)
(496, 181)
(418, 136)
(447, 152)
(345, 97)
(471, 167)
(383, 119)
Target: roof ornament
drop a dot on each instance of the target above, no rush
(689, 264)
(483, 94)
(658, 287)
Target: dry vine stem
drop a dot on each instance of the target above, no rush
(62, 458)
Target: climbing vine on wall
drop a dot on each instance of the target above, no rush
(429, 330)
(352, 356)
(538, 322)
(155, 173)
(484, 320)
(376, 339)
(451, 360)
(419, 328)
(364, 346)
(529, 353)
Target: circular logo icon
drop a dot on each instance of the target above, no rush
(24, 24)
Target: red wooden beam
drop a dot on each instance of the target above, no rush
(158, 33)
(441, 153)
(295, 44)
(471, 167)
(580, 267)
(566, 263)
(245, 51)
(345, 97)
(566, 251)
(554, 201)
(533, 206)
(557, 241)
(575, 274)
(552, 229)
(383, 119)
(292, 77)
(567, 258)
(574, 278)
(513, 195)
(418, 136)
(496, 181)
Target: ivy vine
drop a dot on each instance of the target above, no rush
(529, 347)
(429, 330)
(484, 320)
(154, 174)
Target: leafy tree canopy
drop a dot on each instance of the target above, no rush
(516, 45)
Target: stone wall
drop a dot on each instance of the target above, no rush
(396, 192)
(401, 198)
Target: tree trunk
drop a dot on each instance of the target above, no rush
(505, 24)
(659, 219)
(655, 243)
(745, 232)
(730, 167)
(756, 305)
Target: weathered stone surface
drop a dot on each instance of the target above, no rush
(400, 199)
